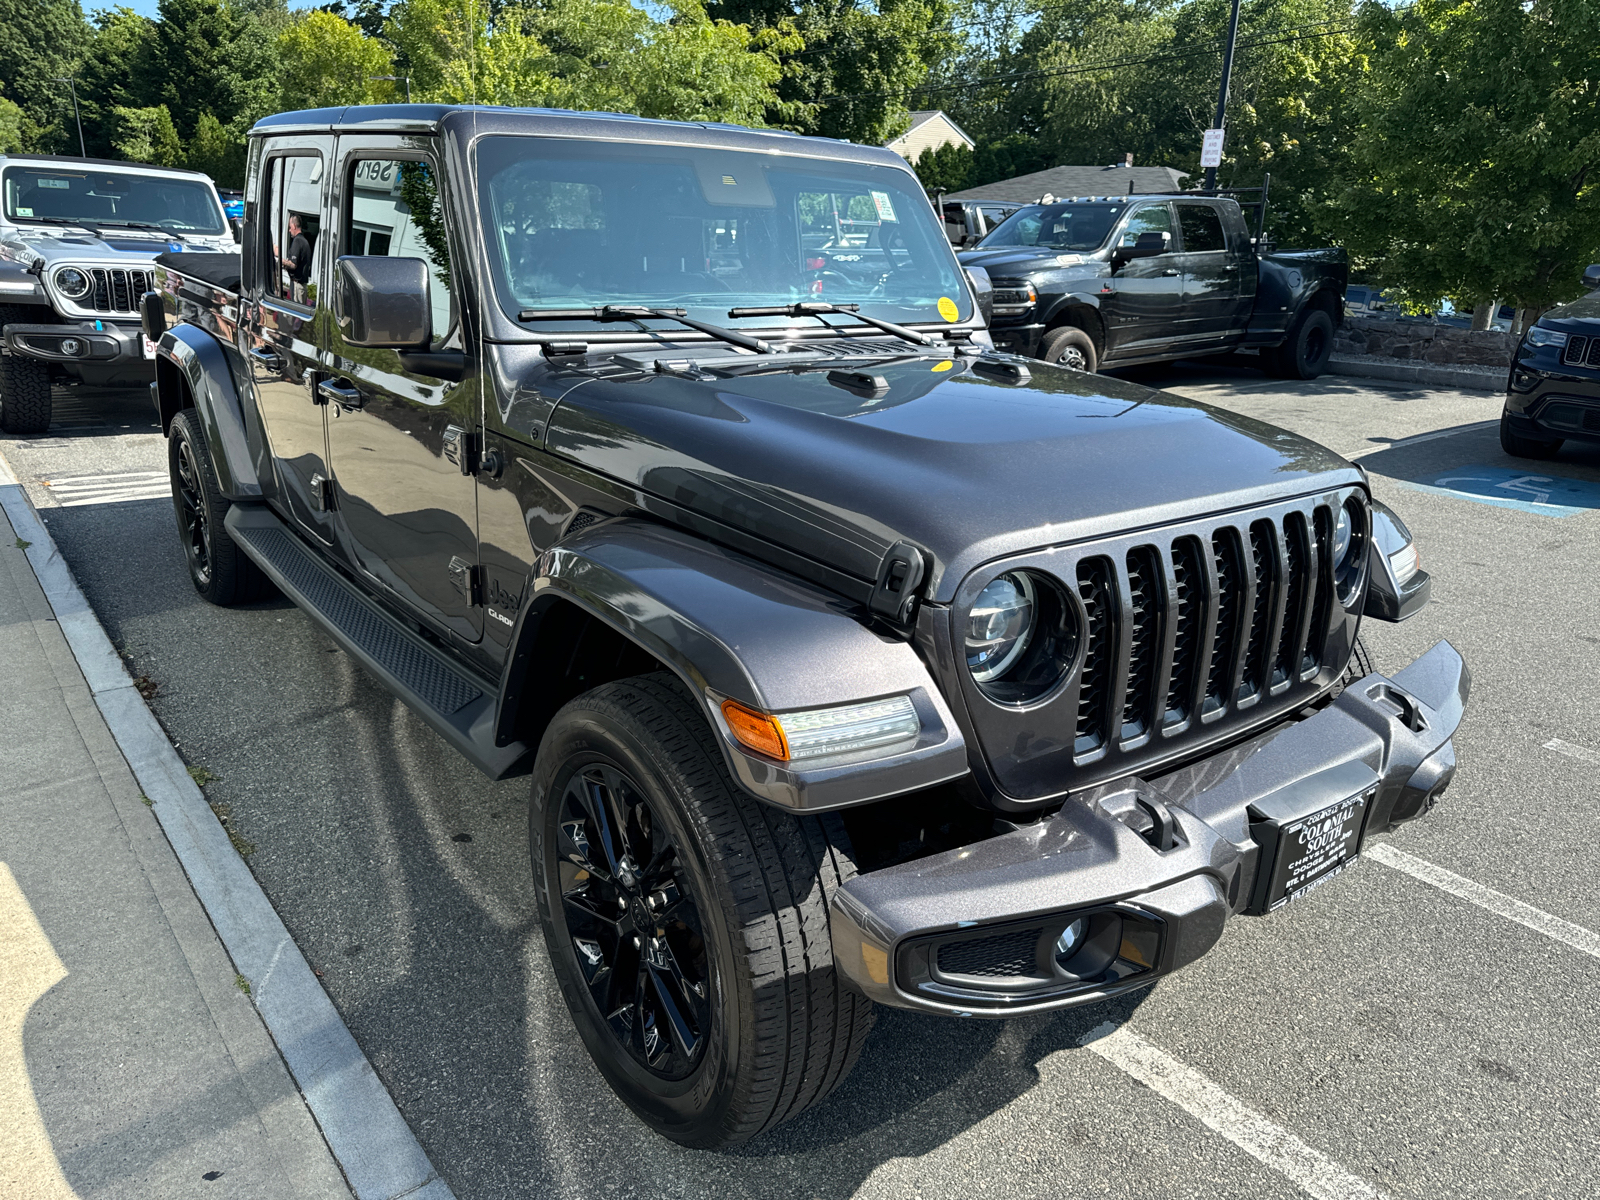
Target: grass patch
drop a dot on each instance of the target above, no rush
(243, 984)
(146, 801)
(201, 776)
(23, 545)
(241, 846)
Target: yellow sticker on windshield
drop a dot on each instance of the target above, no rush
(948, 309)
(943, 366)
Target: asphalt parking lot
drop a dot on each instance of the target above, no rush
(1381, 1037)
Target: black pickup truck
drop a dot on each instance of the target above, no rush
(1115, 281)
(851, 661)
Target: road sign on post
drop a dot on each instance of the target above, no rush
(1211, 148)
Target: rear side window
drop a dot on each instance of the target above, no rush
(292, 255)
(1202, 230)
(392, 208)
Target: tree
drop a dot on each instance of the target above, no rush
(218, 150)
(41, 41)
(206, 57)
(107, 74)
(948, 167)
(1475, 170)
(11, 118)
(326, 62)
(146, 135)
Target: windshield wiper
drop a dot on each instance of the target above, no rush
(630, 312)
(71, 221)
(144, 225)
(816, 308)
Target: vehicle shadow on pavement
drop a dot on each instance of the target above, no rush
(1426, 459)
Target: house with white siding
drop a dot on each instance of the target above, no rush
(929, 131)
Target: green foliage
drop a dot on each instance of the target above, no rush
(1475, 166)
(420, 193)
(218, 150)
(111, 63)
(11, 119)
(949, 167)
(41, 41)
(146, 135)
(327, 62)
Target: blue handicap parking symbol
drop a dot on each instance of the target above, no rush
(1509, 487)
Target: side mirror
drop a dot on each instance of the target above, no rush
(383, 303)
(1148, 244)
(982, 292)
(1591, 276)
(153, 315)
(236, 225)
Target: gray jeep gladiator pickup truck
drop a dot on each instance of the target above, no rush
(852, 661)
(78, 237)
(1114, 281)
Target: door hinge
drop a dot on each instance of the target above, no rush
(467, 579)
(461, 448)
(322, 493)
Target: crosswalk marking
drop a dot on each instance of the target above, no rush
(69, 491)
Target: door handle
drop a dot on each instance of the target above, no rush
(347, 398)
(267, 358)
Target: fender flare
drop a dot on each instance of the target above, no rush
(730, 628)
(188, 355)
(1074, 300)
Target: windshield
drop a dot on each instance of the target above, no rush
(578, 224)
(1056, 226)
(73, 193)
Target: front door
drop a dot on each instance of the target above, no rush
(401, 440)
(1146, 298)
(283, 328)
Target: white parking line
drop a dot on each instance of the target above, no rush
(1498, 903)
(1310, 1170)
(69, 491)
(1581, 753)
(1417, 439)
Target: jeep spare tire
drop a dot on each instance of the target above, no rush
(687, 923)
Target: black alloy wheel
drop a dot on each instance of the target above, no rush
(194, 530)
(633, 922)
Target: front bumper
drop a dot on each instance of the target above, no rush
(1139, 876)
(100, 344)
(1548, 399)
(1018, 339)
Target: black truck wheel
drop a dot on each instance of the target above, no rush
(1518, 446)
(220, 571)
(688, 924)
(1305, 352)
(24, 394)
(1069, 346)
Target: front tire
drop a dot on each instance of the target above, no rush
(688, 924)
(1518, 446)
(220, 571)
(1306, 351)
(1069, 346)
(24, 394)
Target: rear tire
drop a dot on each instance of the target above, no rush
(24, 394)
(1305, 352)
(220, 571)
(721, 938)
(1069, 346)
(1518, 446)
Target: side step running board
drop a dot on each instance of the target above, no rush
(440, 691)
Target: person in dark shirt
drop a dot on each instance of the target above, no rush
(297, 262)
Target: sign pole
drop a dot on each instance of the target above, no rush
(1222, 95)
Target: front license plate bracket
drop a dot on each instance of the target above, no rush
(1309, 833)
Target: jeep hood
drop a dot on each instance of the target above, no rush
(966, 466)
(134, 247)
(1014, 259)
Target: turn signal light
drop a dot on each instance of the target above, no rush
(756, 730)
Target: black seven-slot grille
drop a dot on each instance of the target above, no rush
(1189, 633)
(115, 290)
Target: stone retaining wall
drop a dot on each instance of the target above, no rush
(1418, 341)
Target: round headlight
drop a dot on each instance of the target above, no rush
(1021, 637)
(1349, 549)
(999, 625)
(72, 283)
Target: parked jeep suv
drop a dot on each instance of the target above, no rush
(851, 661)
(78, 237)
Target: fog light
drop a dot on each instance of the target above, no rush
(1069, 941)
(71, 346)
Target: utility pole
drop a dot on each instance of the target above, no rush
(406, 79)
(1222, 95)
(72, 86)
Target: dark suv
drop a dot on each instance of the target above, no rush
(1553, 392)
(851, 661)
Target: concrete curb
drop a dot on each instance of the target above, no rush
(379, 1155)
(1477, 379)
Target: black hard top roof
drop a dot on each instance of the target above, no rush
(558, 122)
(98, 162)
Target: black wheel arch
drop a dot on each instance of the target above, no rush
(1082, 312)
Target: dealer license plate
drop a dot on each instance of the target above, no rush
(149, 346)
(1313, 849)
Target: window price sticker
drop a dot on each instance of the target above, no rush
(885, 206)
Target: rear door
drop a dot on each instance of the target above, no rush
(1146, 301)
(401, 439)
(283, 331)
(1212, 292)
